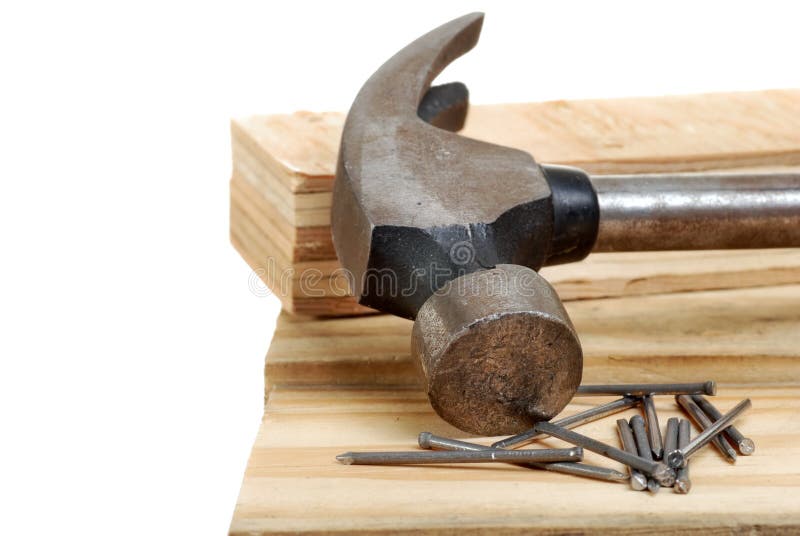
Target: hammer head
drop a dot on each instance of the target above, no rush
(416, 205)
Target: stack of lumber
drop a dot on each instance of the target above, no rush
(283, 167)
(340, 384)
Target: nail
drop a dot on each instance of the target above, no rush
(682, 482)
(584, 417)
(671, 435)
(680, 457)
(643, 446)
(432, 457)
(745, 444)
(642, 389)
(637, 479)
(653, 428)
(428, 440)
(703, 422)
(657, 470)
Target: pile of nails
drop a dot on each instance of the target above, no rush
(653, 460)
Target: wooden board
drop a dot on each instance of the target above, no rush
(733, 336)
(687, 132)
(284, 165)
(349, 384)
(293, 485)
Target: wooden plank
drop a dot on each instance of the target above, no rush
(603, 275)
(686, 132)
(293, 485)
(317, 285)
(349, 384)
(283, 169)
(733, 336)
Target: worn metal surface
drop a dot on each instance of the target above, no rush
(498, 351)
(637, 479)
(698, 211)
(423, 457)
(408, 193)
(680, 457)
(745, 445)
(671, 435)
(428, 440)
(643, 389)
(703, 422)
(643, 447)
(682, 482)
(653, 427)
(663, 474)
(583, 417)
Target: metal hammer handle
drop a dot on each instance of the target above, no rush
(698, 211)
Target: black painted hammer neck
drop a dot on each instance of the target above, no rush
(576, 214)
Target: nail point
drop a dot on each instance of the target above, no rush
(345, 458)
(638, 481)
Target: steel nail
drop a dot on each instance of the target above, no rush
(745, 444)
(643, 446)
(682, 482)
(642, 389)
(637, 479)
(671, 435)
(432, 457)
(657, 470)
(584, 417)
(428, 440)
(703, 422)
(679, 458)
(653, 427)
(640, 435)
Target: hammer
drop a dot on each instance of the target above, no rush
(451, 231)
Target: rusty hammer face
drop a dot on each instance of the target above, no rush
(449, 230)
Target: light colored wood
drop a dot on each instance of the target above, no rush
(284, 165)
(687, 132)
(349, 384)
(638, 273)
(293, 484)
(732, 336)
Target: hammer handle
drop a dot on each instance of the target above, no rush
(698, 211)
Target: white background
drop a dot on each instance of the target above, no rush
(132, 347)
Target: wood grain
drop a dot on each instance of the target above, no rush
(284, 165)
(294, 485)
(733, 336)
(687, 132)
(350, 384)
